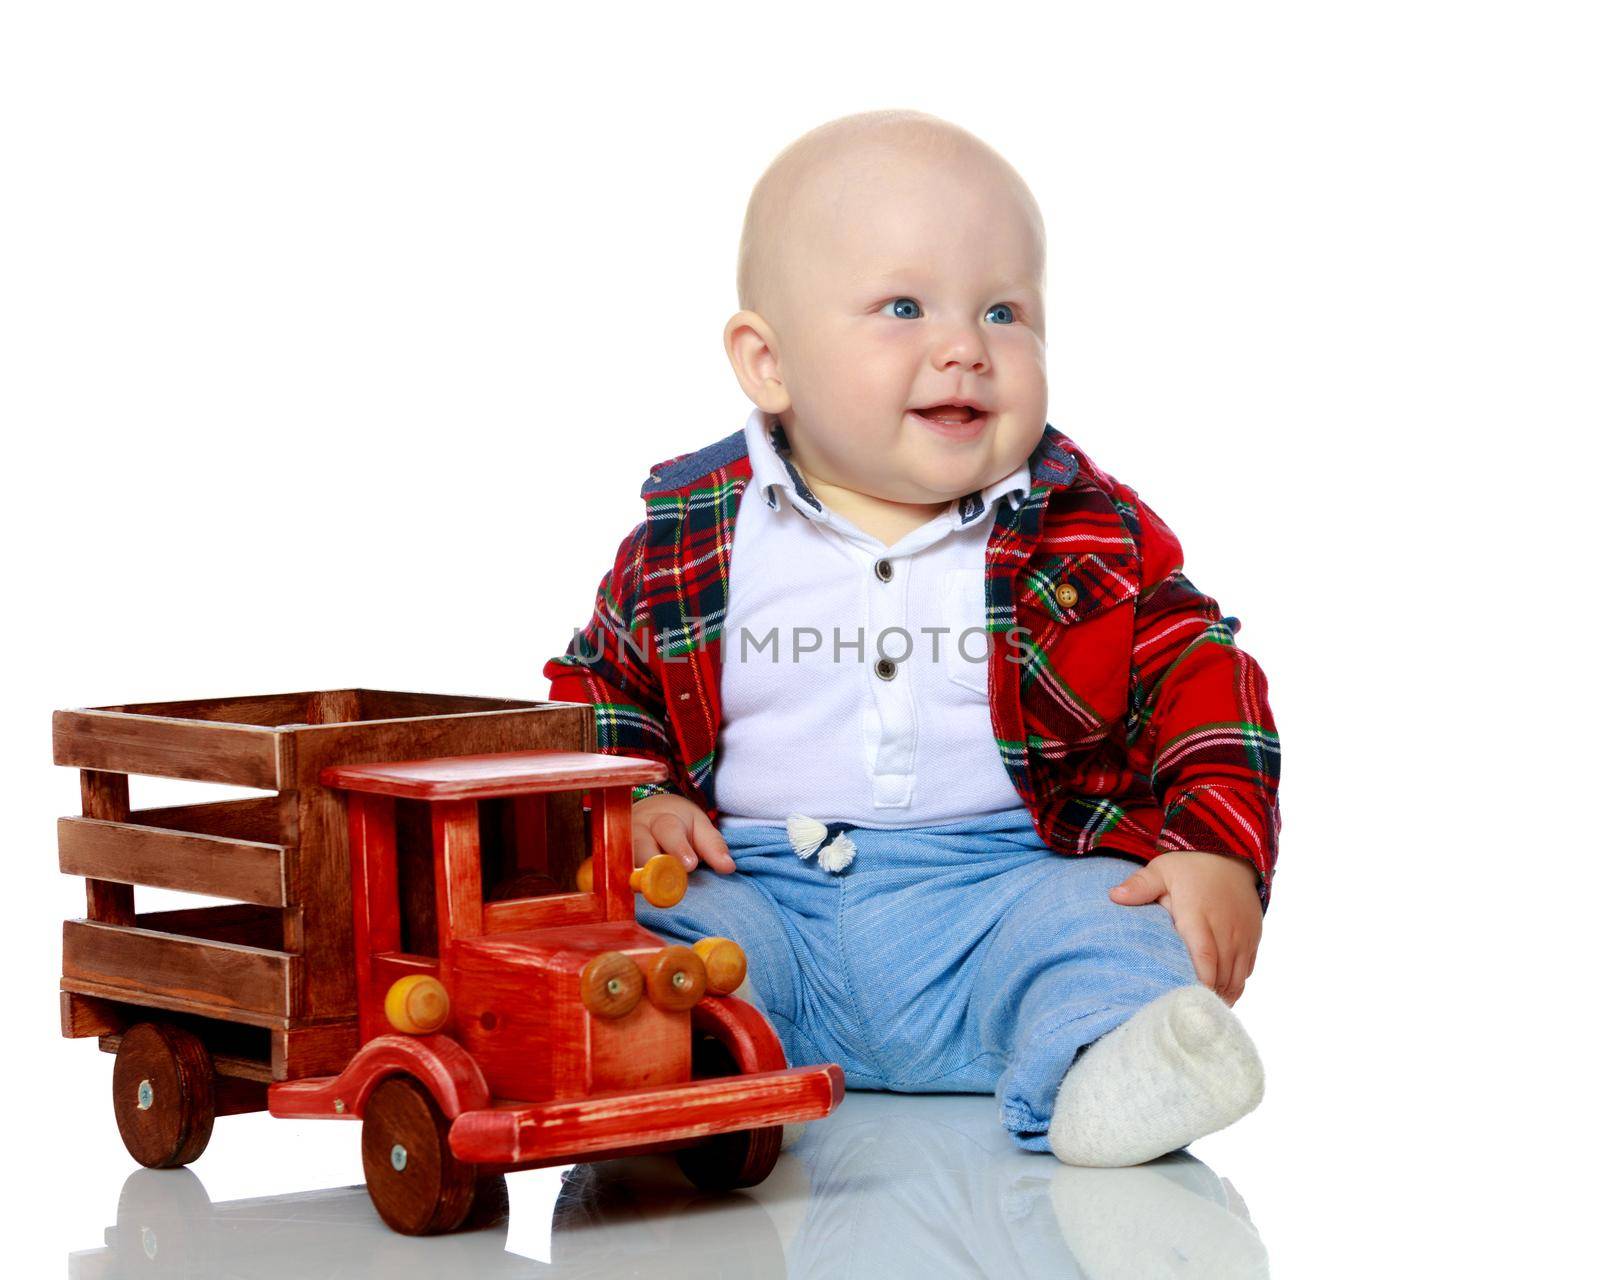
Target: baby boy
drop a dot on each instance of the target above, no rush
(986, 791)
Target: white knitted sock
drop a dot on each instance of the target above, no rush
(1180, 1068)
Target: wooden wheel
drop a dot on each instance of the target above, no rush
(742, 1158)
(163, 1088)
(416, 1183)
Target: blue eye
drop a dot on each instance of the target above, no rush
(905, 308)
(1008, 318)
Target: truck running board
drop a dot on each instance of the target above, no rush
(538, 1132)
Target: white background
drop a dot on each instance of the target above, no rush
(338, 338)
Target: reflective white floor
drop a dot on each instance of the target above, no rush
(891, 1185)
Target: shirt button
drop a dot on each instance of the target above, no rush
(1066, 595)
(885, 669)
(884, 570)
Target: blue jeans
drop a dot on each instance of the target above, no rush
(960, 958)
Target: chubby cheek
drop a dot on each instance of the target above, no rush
(879, 368)
(867, 387)
(1019, 371)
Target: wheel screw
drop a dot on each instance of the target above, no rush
(397, 1157)
(147, 1095)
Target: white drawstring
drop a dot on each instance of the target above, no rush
(807, 834)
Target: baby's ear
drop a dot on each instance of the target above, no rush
(752, 349)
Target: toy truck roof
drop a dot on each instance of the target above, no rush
(486, 777)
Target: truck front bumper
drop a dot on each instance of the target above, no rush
(545, 1132)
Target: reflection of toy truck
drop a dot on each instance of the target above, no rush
(444, 948)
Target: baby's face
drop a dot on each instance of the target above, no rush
(919, 283)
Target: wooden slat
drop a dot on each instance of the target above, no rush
(146, 967)
(391, 704)
(105, 795)
(268, 819)
(536, 727)
(148, 1002)
(243, 870)
(265, 709)
(242, 923)
(207, 751)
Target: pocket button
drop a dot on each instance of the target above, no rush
(1066, 595)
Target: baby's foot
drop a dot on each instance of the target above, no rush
(1180, 1068)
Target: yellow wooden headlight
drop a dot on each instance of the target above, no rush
(417, 1005)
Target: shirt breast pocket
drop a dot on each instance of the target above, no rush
(964, 650)
(1078, 612)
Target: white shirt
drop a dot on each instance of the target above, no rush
(810, 725)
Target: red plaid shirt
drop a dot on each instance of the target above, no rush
(1128, 719)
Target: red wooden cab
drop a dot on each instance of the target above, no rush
(513, 1013)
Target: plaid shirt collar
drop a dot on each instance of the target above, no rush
(772, 470)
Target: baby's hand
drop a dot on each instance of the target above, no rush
(1213, 902)
(671, 824)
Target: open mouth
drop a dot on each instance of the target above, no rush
(953, 418)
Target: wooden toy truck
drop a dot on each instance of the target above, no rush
(430, 930)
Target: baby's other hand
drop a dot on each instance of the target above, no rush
(1214, 905)
(671, 824)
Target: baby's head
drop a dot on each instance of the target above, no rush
(892, 262)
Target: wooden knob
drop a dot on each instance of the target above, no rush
(662, 880)
(724, 962)
(611, 984)
(675, 978)
(586, 876)
(417, 1005)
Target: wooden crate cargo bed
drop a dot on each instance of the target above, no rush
(277, 961)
